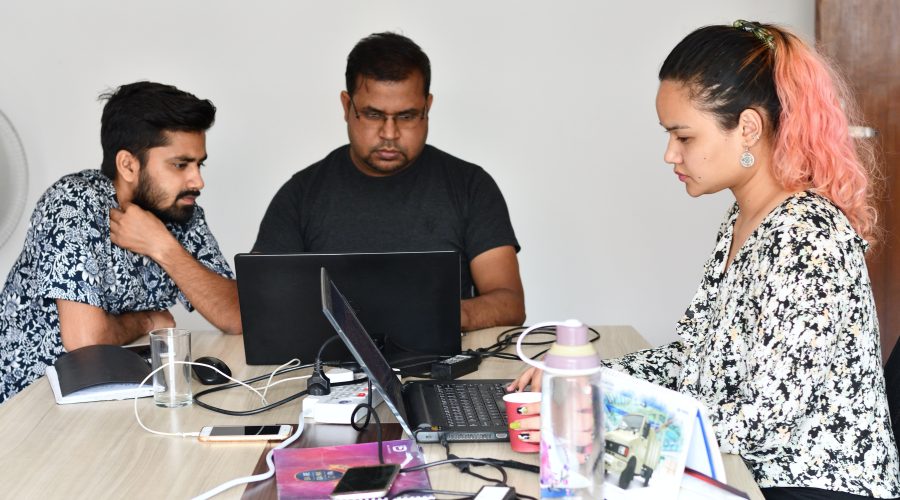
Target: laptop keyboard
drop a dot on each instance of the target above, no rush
(472, 405)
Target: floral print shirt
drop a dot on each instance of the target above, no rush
(783, 348)
(68, 255)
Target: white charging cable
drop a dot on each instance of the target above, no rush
(270, 462)
(182, 434)
(269, 456)
(262, 395)
(293, 362)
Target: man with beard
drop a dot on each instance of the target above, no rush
(109, 251)
(388, 191)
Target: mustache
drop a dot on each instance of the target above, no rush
(391, 145)
(189, 192)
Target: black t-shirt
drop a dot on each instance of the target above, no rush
(438, 203)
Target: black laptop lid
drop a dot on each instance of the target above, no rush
(408, 300)
(347, 325)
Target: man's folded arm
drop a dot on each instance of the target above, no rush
(82, 324)
(501, 299)
(214, 296)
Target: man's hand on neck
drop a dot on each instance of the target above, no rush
(137, 230)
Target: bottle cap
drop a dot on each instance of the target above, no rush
(572, 332)
(572, 351)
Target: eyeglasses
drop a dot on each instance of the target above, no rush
(405, 120)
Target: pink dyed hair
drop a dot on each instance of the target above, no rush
(813, 148)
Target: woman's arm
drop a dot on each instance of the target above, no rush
(660, 365)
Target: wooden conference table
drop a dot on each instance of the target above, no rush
(97, 450)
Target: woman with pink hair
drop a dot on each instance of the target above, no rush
(781, 340)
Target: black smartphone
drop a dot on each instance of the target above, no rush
(365, 482)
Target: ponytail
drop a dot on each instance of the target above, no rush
(813, 147)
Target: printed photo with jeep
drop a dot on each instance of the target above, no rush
(649, 433)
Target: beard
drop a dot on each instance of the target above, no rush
(378, 166)
(150, 197)
(397, 167)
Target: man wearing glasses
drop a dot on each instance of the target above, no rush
(388, 191)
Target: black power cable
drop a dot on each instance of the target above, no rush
(255, 411)
(505, 340)
(319, 384)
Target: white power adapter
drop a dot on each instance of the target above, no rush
(338, 375)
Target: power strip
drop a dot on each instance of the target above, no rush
(337, 407)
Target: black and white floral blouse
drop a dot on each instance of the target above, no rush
(68, 255)
(783, 349)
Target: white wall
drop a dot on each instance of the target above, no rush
(554, 99)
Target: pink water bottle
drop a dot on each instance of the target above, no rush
(571, 414)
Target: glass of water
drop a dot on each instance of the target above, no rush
(172, 384)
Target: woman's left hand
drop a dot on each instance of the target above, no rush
(531, 376)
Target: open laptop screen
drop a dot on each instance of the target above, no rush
(338, 311)
(409, 302)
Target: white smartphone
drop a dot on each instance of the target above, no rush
(245, 433)
(365, 482)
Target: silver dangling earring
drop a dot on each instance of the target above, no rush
(747, 158)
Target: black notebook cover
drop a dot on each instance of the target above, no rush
(98, 365)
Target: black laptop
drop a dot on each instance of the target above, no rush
(428, 410)
(410, 300)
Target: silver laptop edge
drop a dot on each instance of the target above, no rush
(387, 384)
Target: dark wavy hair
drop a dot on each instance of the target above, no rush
(386, 57)
(136, 116)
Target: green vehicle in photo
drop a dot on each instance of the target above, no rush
(631, 449)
